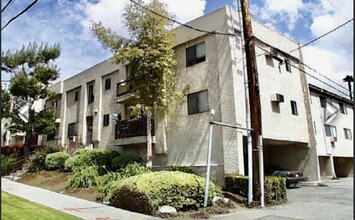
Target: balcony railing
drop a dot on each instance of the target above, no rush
(123, 88)
(132, 128)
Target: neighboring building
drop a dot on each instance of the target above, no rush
(211, 66)
(334, 129)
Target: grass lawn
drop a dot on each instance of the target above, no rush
(13, 207)
(55, 181)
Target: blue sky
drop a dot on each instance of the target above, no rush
(67, 22)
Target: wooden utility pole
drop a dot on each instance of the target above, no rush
(254, 95)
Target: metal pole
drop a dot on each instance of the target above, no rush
(208, 166)
(247, 111)
(261, 171)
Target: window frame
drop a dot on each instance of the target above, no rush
(197, 108)
(288, 65)
(294, 109)
(72, 128)
(91, 94)
(347, 134)
(342, 108)
(107, 84)
(332, 129)
(76, 95)
(191, 55)
(106, 120)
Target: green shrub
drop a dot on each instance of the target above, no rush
(134, 169)
(106, 182)
(182, 169)
(83, 177)
(38, 158)
(122, 161)
(88, 157)
(145, 193)
(274, 188)
(6, 163)
(56, 161)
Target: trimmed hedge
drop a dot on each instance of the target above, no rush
(184, 169)
(274, 188)
(88, 157)
(122, 161)
(147, 192)
(38, 159)
(56, 161)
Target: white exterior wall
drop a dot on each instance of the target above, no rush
(342, 147)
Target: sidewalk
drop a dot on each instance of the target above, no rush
(78, 207)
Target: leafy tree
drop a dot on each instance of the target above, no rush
(33, 71)
(5, 104)
(150, 55)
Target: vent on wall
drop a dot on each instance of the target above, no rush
(277, 98)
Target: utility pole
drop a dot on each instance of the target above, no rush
(254, 95)
(349, 79)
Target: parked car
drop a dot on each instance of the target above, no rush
(292, 177)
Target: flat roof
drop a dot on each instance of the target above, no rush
(326, 93)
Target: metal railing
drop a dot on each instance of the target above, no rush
(17, 165)
(132, 128)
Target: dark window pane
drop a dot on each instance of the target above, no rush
(288, 65)
(72, 130)
(91, 93)
(328, 131)
(77, 95)
(342, 108)
(195, 54)
(192, 103)
(108, 84)
(323, 101)
(197, 102)
(106, 121)
(294, 108)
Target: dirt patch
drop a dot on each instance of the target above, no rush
(55, 181)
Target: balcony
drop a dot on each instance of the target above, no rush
(132, 128)
(123, 91)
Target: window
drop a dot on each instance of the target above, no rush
(269, 60)
(330, 131)
(347, 133)
(195, 54)
(342, 108)
(91, 96)
(108, 84)
(76, 96)
(72, 130)
(56, 103)
(106, 120)
(294, 108)
(323, 101)
(288, 65)
(197, 102)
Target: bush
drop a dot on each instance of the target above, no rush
(106, 182)
(56, 161)
(88, 157)
(274, 188)
(145, 193)
(6, 163)
(83, 177)
(134, 169)
(182, 169)
(122, 161)
(37, 160)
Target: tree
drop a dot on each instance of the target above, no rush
(150, 55)
(33, 71)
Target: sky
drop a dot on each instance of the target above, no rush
(67, 23)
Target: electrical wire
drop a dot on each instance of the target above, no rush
(182, 24)
(323, 35)
(7, 4)
(303, 71)
(19, 14)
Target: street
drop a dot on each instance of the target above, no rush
(334, 201)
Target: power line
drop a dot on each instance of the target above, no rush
(312, 41)
(182, 24)
(7, 4)
(19, 14)
(303, 71)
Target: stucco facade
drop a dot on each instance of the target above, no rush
(216, 80)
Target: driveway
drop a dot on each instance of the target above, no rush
(334, 201)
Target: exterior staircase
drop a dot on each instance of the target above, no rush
(19, 168)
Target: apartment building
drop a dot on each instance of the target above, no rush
(211, 65)
(334, 131)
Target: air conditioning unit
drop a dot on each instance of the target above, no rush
(277, 98)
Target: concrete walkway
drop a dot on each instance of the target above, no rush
(78, 207)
